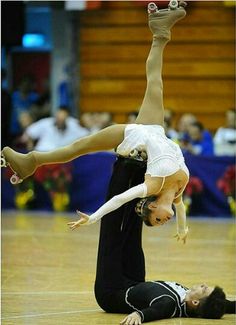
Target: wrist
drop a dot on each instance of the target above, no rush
(140, 314)
(182, 230)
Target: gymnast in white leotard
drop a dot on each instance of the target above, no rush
(164, 157)
(166, 175)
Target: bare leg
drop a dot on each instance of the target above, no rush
(152, 108)
(26, 164)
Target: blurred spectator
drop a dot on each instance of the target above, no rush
(87, 121)
(53, 132)
(168, 122)
(22, 100)
(102, 120)
(197, 143)
(132, 117)
(25, 120)
(65, 86)
(6, 107)
(94, 122)
(42, 107)
(225, 137)
(183, 126)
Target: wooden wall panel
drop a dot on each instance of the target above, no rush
(175, 86)
(181, 103)
(131, 34)
(193, 69)
(198, 71)
(127, 15)
(116, 52)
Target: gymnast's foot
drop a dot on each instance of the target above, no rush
(23, 165)
(161, 21)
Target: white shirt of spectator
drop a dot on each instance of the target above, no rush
(225, 142)
(50, 137)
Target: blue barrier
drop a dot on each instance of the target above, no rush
(91, 175)
(212, 201)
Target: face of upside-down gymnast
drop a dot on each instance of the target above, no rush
(154, 210)
(159, 214)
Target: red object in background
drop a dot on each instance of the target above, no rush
(194, 186)
(93, 4)
(54, 177)
(227, 182)
(34, 64)
(52, 172)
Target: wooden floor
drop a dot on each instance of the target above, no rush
(48, 271)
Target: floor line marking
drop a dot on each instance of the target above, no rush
(52, 314)
(46, 292)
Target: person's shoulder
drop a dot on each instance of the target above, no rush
(207, 135)
(44, 122)
(72, 119)
(74, 123)
(47, 120)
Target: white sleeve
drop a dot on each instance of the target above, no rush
(182, 228)
(117, 201)
(219, 136)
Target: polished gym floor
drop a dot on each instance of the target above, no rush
(48, 271)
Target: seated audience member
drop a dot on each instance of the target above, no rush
(103, 120)
(197, 143)
(54, 132)
(94, 122)
(87, 121)
(225, 137)
(171, 133)
(25, 120)
(132, 117)
(183, 124)
(42, 107)
(22, 100)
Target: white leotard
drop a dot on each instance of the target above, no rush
(164, 159)
(164, 156)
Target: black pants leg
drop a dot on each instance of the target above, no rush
(120, 237)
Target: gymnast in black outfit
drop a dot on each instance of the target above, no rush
(120, 285)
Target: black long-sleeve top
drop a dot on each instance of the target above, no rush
(157, 300)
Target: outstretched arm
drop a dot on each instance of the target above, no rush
(182, 229)
(161, 309)
(114, 203)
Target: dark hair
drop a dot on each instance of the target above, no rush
(211, 307)
(142, 209)
(135, 113)
(198, 125)
(63, 108)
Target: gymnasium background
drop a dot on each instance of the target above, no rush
(99, 48)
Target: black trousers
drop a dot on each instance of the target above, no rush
(120, 262)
